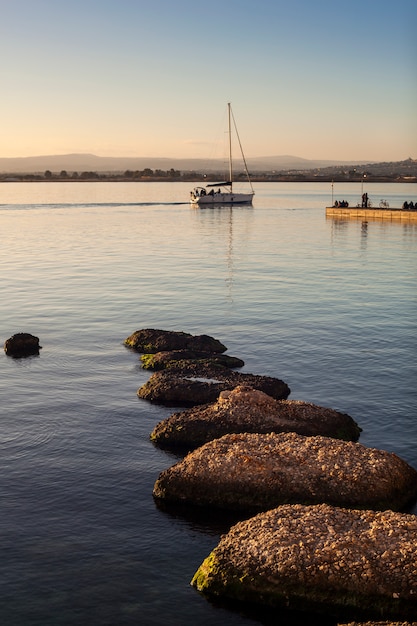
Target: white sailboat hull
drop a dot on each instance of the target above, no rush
(222, 199)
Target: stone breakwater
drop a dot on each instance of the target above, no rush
(318, 558)
(255, 472)
(192, 370)
(323, 541)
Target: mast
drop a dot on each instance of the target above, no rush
(230, 149)
(241, 152)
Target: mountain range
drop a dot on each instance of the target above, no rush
(91, 162)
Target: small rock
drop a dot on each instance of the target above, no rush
(384, 623)
(21, 345)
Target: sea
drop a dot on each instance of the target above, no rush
(327, 305)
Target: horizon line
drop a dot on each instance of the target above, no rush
(196, 158)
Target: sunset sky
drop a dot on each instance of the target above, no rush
(322, 79)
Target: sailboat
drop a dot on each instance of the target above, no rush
(224, 194)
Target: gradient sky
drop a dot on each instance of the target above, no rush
(327, 79)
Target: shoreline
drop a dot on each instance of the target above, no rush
(34, 178)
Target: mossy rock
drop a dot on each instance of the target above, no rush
(180, 358)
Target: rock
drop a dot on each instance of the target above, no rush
(149, 340)
(194, 383)
(336, 561)
(256, 472)
(21, 345)
(178, 358)
(245, 409)
(384, 623)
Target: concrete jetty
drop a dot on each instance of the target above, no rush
(366, 213)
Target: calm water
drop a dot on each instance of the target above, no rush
(329, 306)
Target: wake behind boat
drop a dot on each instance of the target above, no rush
(222, 193)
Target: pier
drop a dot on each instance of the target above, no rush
(365, 213)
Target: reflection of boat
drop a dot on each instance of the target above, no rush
(224, 193)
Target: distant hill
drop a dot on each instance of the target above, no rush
(91, 162)
(284, 168)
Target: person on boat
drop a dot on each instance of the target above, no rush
(365, 200)
(411, 205)
(406, 205)
(203, 192)
(211, 193)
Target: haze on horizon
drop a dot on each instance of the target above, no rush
(322, 80)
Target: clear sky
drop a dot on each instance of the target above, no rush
(327, 79)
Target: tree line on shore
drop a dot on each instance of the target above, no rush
(316, 175)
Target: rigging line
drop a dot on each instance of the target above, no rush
(241, 149)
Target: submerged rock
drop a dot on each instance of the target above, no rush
(150, 340)
(322, 558)
(21, 345)
(194, 384)
(255, 472)
(175, 358)
(245, 409)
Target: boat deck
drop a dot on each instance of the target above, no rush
(372, 213)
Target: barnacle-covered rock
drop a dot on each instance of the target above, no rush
(255, 472)
(245, 409)
(322, 558)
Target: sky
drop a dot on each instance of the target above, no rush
(322, 79)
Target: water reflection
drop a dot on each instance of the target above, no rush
(273, 616)
(365, 227)
(230, 227)
(205, 520)
(364, 235)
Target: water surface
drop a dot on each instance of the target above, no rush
(327, 305)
